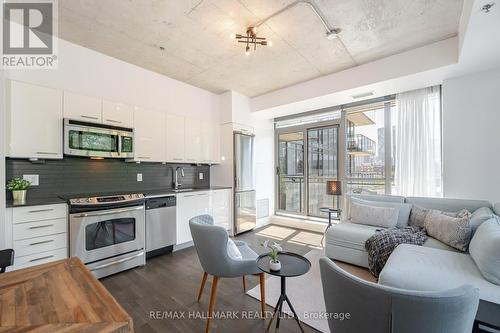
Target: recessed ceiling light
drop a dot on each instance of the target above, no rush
(333, 34)
(366, 94)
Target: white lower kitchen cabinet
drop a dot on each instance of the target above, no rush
(190, 205)
(38, 234)
(220, 202)
(213, 202)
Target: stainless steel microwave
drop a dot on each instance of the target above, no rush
(97, 140)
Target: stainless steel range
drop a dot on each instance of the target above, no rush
(108, 233)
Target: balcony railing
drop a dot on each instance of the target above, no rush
(359, 144)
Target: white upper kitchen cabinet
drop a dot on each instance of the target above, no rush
(175, 138)
(207, 141)
(35, 115)
(81, 107)
(192, 136)
(149, 136)
(117, 114)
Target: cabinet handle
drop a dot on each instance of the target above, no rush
(144, 157)
(114, 121)
(41, 210)
(41, 226)
(189, 195)
(43, 242)
(177, 159)
(41, 258)
(89, 117)
(45, 153)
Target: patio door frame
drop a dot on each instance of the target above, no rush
(341, 154)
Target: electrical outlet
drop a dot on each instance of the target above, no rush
(200, 175)
(139, 177)
(33, 179)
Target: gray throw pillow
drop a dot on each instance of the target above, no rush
(385, 217)
(417, 216)
(485, 249)
(403, 209)
(453, 231)
(479, 216)
(419, 213)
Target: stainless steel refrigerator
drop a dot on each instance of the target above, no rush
(244, 183)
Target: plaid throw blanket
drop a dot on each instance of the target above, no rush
(381, 245)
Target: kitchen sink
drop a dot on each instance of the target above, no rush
(182, 190)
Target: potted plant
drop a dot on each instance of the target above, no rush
(275, 248)
(18, 186)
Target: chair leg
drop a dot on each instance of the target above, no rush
(202, 286)
(212, 302)
(263, 294)
(244, 283)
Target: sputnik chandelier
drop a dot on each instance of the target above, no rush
(251, 38)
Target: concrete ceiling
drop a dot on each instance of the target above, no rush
(188, 40)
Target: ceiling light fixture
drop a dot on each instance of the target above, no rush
(487, 8)
(251, 36)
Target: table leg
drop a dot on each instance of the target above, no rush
(327, 227)
(294, 313)
(283, 297)
(274, 313)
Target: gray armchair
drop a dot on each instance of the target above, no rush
(210, 242)
(380, 309)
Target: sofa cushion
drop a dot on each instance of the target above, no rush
(423, 268)
(496, 208)
(385, 217)
(448, 205)
(453, 231)
(434, 243)
(485, 250)
(403, 209)
(481, 215)
(350, 235)
(346, 242)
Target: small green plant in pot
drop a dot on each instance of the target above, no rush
(18, 186)
(275, 249)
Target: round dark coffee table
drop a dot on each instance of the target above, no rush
(292, 264)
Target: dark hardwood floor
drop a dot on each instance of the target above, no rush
(169, 284)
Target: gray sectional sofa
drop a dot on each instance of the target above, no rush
(433, 266)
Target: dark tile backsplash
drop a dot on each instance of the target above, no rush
(83, 175)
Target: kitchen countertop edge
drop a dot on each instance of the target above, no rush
(147, 193)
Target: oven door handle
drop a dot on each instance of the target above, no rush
(108, 212)
(116, 262)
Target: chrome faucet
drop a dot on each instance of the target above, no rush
(177, 185)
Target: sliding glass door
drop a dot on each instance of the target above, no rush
(307, 159)
(291, 188)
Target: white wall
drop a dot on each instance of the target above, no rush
(471, 136)
(2, 163)
(88, 72)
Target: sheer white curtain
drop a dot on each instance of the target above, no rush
(417, 143)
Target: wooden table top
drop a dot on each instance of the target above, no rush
(62, 296)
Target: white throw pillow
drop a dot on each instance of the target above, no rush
(386, 217)
(232, 250)
(484, 248)
(403, 209)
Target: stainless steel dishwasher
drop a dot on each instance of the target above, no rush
(160, 225)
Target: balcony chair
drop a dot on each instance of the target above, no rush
(380, 309)
(6, 259)
(210, 242)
